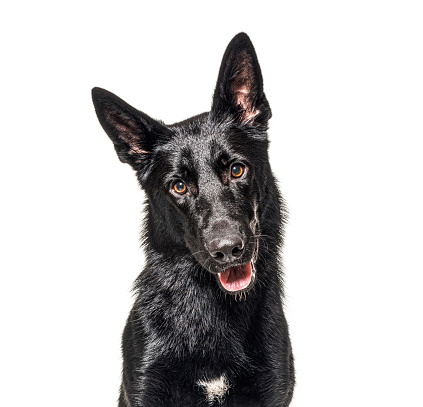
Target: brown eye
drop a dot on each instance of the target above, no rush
(237, 170)
(180, 187)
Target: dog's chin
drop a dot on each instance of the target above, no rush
(237, 279)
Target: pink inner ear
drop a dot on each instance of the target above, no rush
(128, 131)
(244, 88)
(243, 99)
(130, 138)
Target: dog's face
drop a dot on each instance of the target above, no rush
(205, 175)
(213, 187)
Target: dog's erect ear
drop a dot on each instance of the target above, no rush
(239, 87)
(133, 133)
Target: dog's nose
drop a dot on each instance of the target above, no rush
(227, 249)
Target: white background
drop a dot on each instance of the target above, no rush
(344, 80)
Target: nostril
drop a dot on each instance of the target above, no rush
(218, 255)
(226, 250)
(237, 251)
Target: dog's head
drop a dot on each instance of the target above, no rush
(206, 176)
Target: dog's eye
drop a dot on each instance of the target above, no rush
(180, 187)
(237, 170)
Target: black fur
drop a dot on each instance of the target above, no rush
(202, 218)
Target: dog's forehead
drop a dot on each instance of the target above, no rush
(197, 144)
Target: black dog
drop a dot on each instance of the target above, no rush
(207, 327)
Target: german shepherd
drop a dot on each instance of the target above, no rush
(207, 327)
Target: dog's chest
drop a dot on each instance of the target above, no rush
(215, 389)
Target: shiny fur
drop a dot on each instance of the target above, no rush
(188, 341)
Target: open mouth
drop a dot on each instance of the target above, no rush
(237, 278)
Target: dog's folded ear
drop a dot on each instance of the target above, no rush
(239, 88)
(133, 133)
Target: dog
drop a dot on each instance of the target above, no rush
(207, 327)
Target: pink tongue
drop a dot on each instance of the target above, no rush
(236, 278)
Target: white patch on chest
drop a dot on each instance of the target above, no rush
(215, 389)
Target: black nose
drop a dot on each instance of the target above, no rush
(226, 249)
